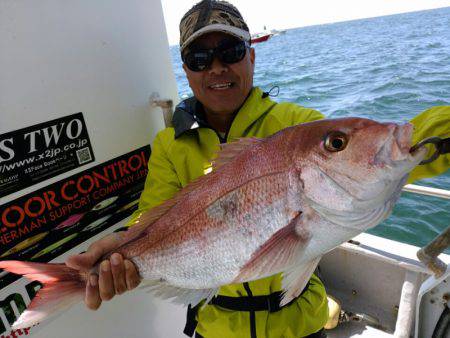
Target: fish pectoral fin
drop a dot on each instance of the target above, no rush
(273, 256)
(296, 278)
(178, 295)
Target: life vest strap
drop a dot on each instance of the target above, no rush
(269, 303)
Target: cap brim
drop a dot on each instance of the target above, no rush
(241, 34)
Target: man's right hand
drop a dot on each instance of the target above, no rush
(116, 275)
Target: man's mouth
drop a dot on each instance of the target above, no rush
(221, 86)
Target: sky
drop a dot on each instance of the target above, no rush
(299, 13)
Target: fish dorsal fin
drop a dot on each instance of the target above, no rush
(229, 151)
(280, 251)
(144, 221)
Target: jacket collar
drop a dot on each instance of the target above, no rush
(189, 114)
(256, 105)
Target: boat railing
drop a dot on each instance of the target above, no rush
(418, 189)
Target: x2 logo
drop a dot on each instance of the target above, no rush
(33, 154)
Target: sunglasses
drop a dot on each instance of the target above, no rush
(198, 59)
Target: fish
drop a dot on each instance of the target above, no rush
(271, 205)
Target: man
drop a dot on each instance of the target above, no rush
(219, 65)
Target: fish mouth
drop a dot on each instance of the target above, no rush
(395, 153)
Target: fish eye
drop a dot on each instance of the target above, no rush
(335, 141)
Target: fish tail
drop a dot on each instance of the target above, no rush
(62, 287)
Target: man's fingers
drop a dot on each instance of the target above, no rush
(86, 261)
(131, 274)
(92, 298)
(105, 281)
(78, 262)
(118, 273)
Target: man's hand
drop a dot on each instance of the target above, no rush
(116, 275)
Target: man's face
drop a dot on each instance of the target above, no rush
(222, 88)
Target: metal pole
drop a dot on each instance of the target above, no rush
(428, 255)
(418, 189)
(166, 106)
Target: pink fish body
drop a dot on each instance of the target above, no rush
(271, 205)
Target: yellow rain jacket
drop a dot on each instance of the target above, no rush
(432, 122)
(182, 153)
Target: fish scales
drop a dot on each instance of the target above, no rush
(261, 160)
(254, 212)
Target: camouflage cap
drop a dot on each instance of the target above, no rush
(212, 16)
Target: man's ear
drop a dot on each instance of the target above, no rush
(185, 67)
(252, 57)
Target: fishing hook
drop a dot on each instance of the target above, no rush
(442, 147)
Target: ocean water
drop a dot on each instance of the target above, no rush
(387, 68)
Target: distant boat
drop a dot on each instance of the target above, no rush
(260, 37)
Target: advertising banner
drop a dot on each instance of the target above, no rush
(33, 154)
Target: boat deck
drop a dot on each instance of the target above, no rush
(355, 329)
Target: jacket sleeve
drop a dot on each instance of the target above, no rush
(432, 122)
(162, 181)
(311, 311)
(299, 114)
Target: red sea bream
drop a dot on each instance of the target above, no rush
(270, 205)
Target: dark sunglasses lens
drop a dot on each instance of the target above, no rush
(198, 61)
(201, 59)
(233, 54)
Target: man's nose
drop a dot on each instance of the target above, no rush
(217, 67)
